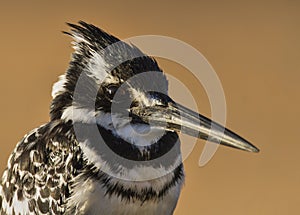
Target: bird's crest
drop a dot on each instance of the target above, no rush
(104, 60)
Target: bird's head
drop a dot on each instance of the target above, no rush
(115, 85)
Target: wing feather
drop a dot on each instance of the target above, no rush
(38, 176)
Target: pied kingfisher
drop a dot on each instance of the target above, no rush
(111, 146)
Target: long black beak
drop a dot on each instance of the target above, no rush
(176, 117)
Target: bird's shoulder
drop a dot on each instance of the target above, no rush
(39, 171)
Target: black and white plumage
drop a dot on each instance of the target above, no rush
(55, 170)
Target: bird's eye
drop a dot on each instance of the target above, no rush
(111, 90)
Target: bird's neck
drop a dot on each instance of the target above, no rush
(96, 191)
(121, 159)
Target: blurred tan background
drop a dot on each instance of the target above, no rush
(254, 48)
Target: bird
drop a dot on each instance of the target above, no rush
(111, 145)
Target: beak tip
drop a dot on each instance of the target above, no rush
(256, 150)
(252, 148)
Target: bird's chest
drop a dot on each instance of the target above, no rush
(91, 197)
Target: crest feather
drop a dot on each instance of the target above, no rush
(89, 35)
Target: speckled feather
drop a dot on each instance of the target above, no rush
(40, 170)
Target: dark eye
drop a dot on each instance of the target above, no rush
(111, 90)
